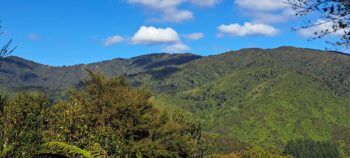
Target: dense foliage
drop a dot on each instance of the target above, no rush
(264, 97)
(106, 112)
(312, 149)
(22, 121)
(252, 152)
(251, 97)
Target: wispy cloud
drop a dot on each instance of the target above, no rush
(194, 36)
(176, 48)
(248, 29)
(262, 5)
(113, 40)
(170, 10)
(266, 11)
(204, 3)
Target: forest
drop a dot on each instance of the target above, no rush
(107, 118)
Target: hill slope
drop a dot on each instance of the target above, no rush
(20, 74)
(330, 68)
(263, 97)
(251, 96)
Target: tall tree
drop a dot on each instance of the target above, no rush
(108, 112)
(333, 18)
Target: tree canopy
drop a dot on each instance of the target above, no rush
(106, 115)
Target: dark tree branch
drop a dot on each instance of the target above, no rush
(6, 49)
(333, 13)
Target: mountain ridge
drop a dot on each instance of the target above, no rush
(50, 77)
(263, 97)
(16, 69)
(174, 54)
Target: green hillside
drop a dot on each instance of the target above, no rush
(268, 112)
(263, 97)
(330, 68)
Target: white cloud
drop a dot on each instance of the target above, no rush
(152, 35)
(113, 40)
(248, 29)
(167, 38)
(170, 8)
(176, 48)
(194, 36)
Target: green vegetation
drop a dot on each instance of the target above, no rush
(22, 122)
(264, 97)
(17, 75)
(312, 149)
(265, 113)
(107, 112)
(221, 105)
(61, 148)
(252, 152)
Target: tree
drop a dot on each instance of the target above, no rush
(108, 112)
(334, 18)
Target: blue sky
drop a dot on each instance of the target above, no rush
(67, 32)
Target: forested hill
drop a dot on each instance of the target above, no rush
(332, 69)
(264, 97)
(20, 74)
(164, 73)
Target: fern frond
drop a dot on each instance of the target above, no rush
(5, 151)
(67, 150)
(98, 152)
